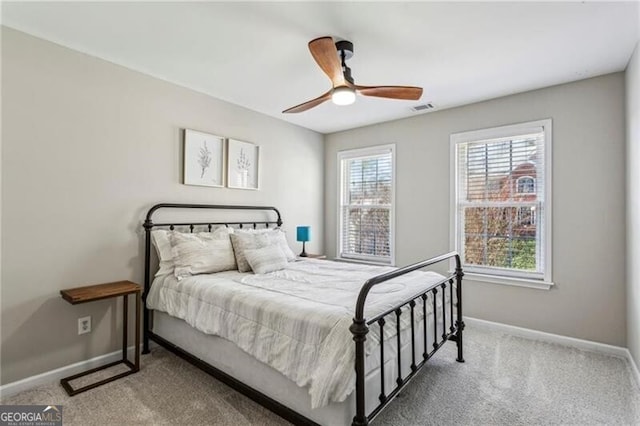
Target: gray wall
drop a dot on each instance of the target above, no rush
(588, 300)
(88, 147)
(633, 205)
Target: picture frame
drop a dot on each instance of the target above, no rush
(243, 165)
(204, 159)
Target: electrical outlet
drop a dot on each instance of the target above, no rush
(84, 325)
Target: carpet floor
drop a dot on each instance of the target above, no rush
(506, 380)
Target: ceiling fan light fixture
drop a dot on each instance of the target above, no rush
(343, 95)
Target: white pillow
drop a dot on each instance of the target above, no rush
(247, 240)
(161, 239)
(280, 238)
(276, 235)
(202, 253)
(266, 259)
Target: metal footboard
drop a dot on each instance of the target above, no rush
(361, 326)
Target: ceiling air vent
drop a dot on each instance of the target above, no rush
(423, 107)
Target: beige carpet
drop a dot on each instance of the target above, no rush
(506, 381)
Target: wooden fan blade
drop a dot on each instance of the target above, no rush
(394, 92)
(324, 51)
(309, 104)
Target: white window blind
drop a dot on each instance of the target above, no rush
(366, 204)
(501, 201)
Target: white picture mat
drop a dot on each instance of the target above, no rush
(203, 159)
(243, 165)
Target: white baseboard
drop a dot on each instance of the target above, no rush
(549, 337)
(54, 375)
(634, 367)
(587, 345)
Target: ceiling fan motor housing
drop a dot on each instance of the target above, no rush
(345, 52)
(346, 47)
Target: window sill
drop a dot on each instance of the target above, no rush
(518, 282)
(360, 261)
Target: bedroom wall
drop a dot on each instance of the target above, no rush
(88, 147)
(633, 204)
(588, 300)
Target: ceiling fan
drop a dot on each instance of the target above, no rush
(331, 58)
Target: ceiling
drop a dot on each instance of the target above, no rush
(255, 54)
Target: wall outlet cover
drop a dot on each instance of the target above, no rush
(84, 325)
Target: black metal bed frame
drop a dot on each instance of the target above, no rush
(360, 327)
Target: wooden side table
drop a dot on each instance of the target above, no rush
(104, 291)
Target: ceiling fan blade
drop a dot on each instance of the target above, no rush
(324, 51)
(309, 104)
(394, 92)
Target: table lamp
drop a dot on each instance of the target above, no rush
(303, 233)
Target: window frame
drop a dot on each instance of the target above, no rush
(358, 153)
(508, 277)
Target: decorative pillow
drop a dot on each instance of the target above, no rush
(161, 239)
(202, 253)
(266, 259)
(258, 238)
(247, 240)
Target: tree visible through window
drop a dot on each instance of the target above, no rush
(366, 206)
(501, 226)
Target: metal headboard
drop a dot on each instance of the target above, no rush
(149, 225)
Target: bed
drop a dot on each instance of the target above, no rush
(319, 342)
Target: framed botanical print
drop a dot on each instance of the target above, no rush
(203, 159)
(243, 165)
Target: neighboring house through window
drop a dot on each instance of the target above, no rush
(501, 202)
(366, 207)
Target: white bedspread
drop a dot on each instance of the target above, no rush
(295, 320)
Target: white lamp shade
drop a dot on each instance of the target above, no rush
(343, 95)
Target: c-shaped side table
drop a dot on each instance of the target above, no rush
(104, 291)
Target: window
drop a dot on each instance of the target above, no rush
(366, 216)
(501, 199)
(526, 185)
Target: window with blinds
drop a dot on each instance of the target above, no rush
(366, 204)
(502, 200)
